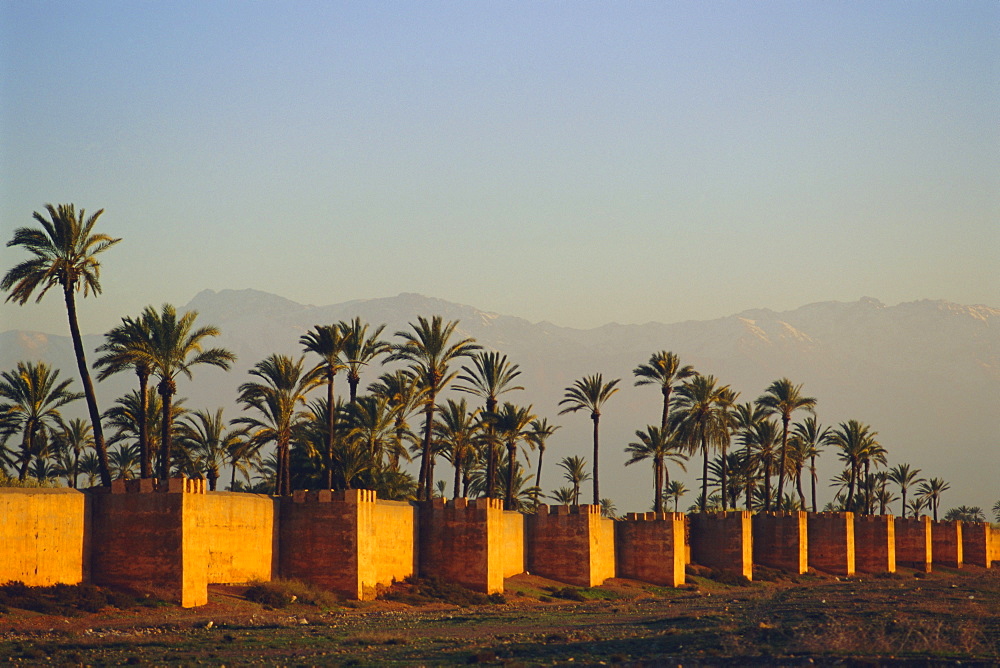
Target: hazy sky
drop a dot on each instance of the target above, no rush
(570, 161)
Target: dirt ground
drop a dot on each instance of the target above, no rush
(943, 618)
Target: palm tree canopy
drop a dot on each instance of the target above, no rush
(360, 348)
(490, 375)
(33, 396)
(64, 253)
(329, 342)
(663, 369)
(588, 393)
(126, 346)
(783, 397)
(175, 345)
(428, 349)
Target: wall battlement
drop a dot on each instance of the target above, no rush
(175, 539)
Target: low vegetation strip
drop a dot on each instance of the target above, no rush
(942, 617)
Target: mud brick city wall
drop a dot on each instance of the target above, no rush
(651, 548)
(914, 548)
(461, 541)
(42, 537)
(140, 539)
(723, 541)
(238, 534)
(781, 540)
(947, 543)
(572, 544)
(831, 543)
(395, 541)
(976, 539)
(875, 544)
(513, 544)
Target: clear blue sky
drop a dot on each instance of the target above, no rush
(579, 162)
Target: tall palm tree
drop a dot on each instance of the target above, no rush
(72, 440)
(665, 371)
(405, 395)
(127, 346)
(64, 253)
(931, 490)
(175, 346)
(540, 432)
(205, 436)
(856, 441)
(675, 490)
(428, 350)
(457, 428)
(590, 393)
(701, 421)
(489, 376)
(329, 342)
(360, 350)
(33, 395)
(782, 397)
(575, 472)
(124, 460)
(371, 422)
(511, 423)
(813, 436)
(906, 478)
(277, 396)
(657, 445)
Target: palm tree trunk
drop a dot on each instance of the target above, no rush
(511, 460)
(352, 382)
(704, 472)
(423, 485)
(145, 465)
(538, 475)
(88, 387)
(812, 474)
(458, 475)
(798, 488)
(725, 489)
(491, 463)
(657, 486)
(781, 459)
(26, 448)
(903, 507)
(597, 486)
(167, 395)
(331, 424)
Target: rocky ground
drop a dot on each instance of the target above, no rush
(943, 618)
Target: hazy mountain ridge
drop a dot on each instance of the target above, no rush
(925, 374)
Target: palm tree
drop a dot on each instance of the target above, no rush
(511, 423)
(71, 442)
(404, 395)
(575, 472)
(675, 490)
(490, 376)
(590, 393)
(174, 347)
(664, 370)
(906, 478)
(64, 253)
(360, 350)
(856, 441)
(996, 511)
(701, 421)
(124, 460)
(127, 346)
(371, 422)
(428, 349)
(657, 445)
(457, 428)
(783, 398)
(564, 496)
(931, 491)
(277, 396)
(204, 435)
(329, 342)
(33, 395)
(540, 432)
(965, 514)
(813, 436)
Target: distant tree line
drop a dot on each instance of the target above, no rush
(295, 432)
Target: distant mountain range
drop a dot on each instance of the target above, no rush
(925, 374)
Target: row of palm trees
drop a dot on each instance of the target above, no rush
(332, 443)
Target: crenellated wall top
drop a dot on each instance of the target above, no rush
(182, 485)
